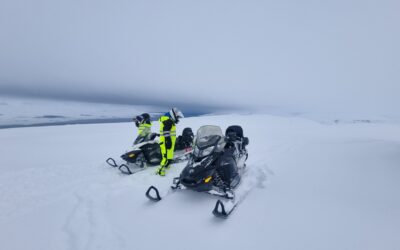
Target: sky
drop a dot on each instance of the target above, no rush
(331, 56)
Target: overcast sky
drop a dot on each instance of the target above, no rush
(333, 55)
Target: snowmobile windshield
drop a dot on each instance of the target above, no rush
(208, 136)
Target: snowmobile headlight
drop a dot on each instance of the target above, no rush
(207, 151)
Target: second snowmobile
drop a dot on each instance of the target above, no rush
(146, 152)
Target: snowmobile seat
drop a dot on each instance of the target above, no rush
(185, 140)
(187, 133)
(234, 135)
(234, 132)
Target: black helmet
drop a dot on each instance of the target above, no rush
(138, 120)
(146, 117)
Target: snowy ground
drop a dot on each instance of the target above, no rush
(318, 186)
(16, 111)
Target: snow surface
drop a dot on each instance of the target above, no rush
(16, 111)
(316, 186)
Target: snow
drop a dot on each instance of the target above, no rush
(316, 186)
(17, 111)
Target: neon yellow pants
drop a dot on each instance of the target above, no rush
(167, 153)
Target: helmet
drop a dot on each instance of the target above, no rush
(176, 114)
(146, 118)
(138, 120)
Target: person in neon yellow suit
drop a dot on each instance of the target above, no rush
(143, 123)
(167, 138)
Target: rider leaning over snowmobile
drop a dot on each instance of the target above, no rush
(143, 123)
(168, 138)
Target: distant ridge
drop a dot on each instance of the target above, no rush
(154, 116)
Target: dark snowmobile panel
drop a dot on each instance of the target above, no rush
(152, 153)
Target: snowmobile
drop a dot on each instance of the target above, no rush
(146, 152)
(215, 166)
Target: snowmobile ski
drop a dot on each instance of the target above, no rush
(110, 161)
(126, 170)
(221, 212)
(176, 184)
(157, 196)
(223, 209)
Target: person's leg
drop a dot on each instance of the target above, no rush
(164, 161)
(170, 152)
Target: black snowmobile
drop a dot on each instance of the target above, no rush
(146, 152)
(215, 165)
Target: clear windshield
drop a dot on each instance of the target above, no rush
(208, 135)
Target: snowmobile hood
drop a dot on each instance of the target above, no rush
(193, 178)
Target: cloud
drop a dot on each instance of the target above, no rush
(330, 55)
